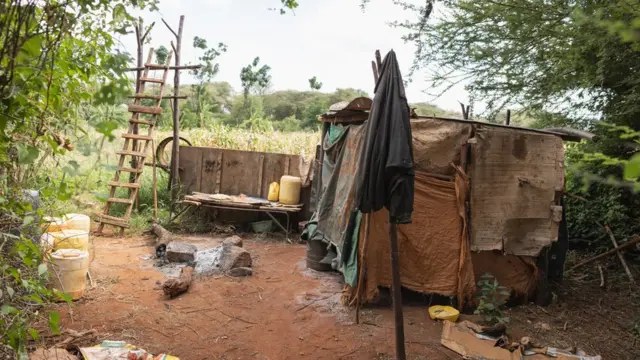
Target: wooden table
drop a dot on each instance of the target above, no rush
(269, 210)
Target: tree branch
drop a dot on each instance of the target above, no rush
(170, 29)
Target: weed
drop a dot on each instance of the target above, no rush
(492, 300)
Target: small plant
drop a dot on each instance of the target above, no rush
(492, 300)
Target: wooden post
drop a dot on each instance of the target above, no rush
(396, 293)
(175, 151)
(508, 117)
(141, 36)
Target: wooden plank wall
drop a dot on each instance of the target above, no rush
(233, 172)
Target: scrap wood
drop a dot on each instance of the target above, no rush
(635, 240)
(175, 287)
(76, 339)
(620, 256)
(602, 283)
(163, 236)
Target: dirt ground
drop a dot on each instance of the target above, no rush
(285, 311)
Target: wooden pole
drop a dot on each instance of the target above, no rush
(139, 28)
(375, 72)
(635, 240)
(175, 151)
(378, 62)
(396, 293)
(361, 266)
(620, 256)
(508, 117)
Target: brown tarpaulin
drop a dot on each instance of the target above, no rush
(430, 247)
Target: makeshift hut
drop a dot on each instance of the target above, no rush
(488, 199)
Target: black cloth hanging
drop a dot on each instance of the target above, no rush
(385, 175)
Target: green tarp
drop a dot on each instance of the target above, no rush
(334, 221)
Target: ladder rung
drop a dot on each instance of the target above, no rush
(153, 110)
(120, 201)
(157, 66)
(140, 121)
(131, 170)
(124, 184)
(112, 220)
(131, 153)
(152, 80)
(137, 137)
(145, 96)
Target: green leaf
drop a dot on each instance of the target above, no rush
(54, 321)
(632, 168)
(27, 154)
(28, 220)
(7, 309)
(33, 46)
(42, 269)
(10, 291)
(62, 296)
(34, 334)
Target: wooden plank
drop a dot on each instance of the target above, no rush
(233, 171)
(258, 190)
(191, 174)
(152, 80)
(124, 184)
(141, 121)
(131, 170)
(137, 137)
(210, 166)
(152, 110)
(238, 173)
(112, 220)
(131, 153)
(120, 201)
(219, 172)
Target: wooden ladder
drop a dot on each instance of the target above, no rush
(137, 151)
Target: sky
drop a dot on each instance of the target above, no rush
(333, 40)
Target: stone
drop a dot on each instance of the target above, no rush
(208, 261)
(234, 257)
(181, 252)
(240, 272)
(234, 240)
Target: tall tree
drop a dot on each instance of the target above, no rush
(255, 78)
(204, 75)
(314, 84)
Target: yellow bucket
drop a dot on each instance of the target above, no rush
(443, 313)
(52, 224)
(67, 239)
(274, 191)
(290, 190)
(77, 222)
(68, 268)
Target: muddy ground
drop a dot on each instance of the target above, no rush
(285, 311)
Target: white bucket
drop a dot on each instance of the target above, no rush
(68, 269)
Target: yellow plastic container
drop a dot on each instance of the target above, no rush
(67, 239)
(77, 222)
(274, 191)
(68, 271)
(290, 190)
(52, 224)
(443, 313)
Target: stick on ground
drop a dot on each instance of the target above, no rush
(635, 240)
(620, 256)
